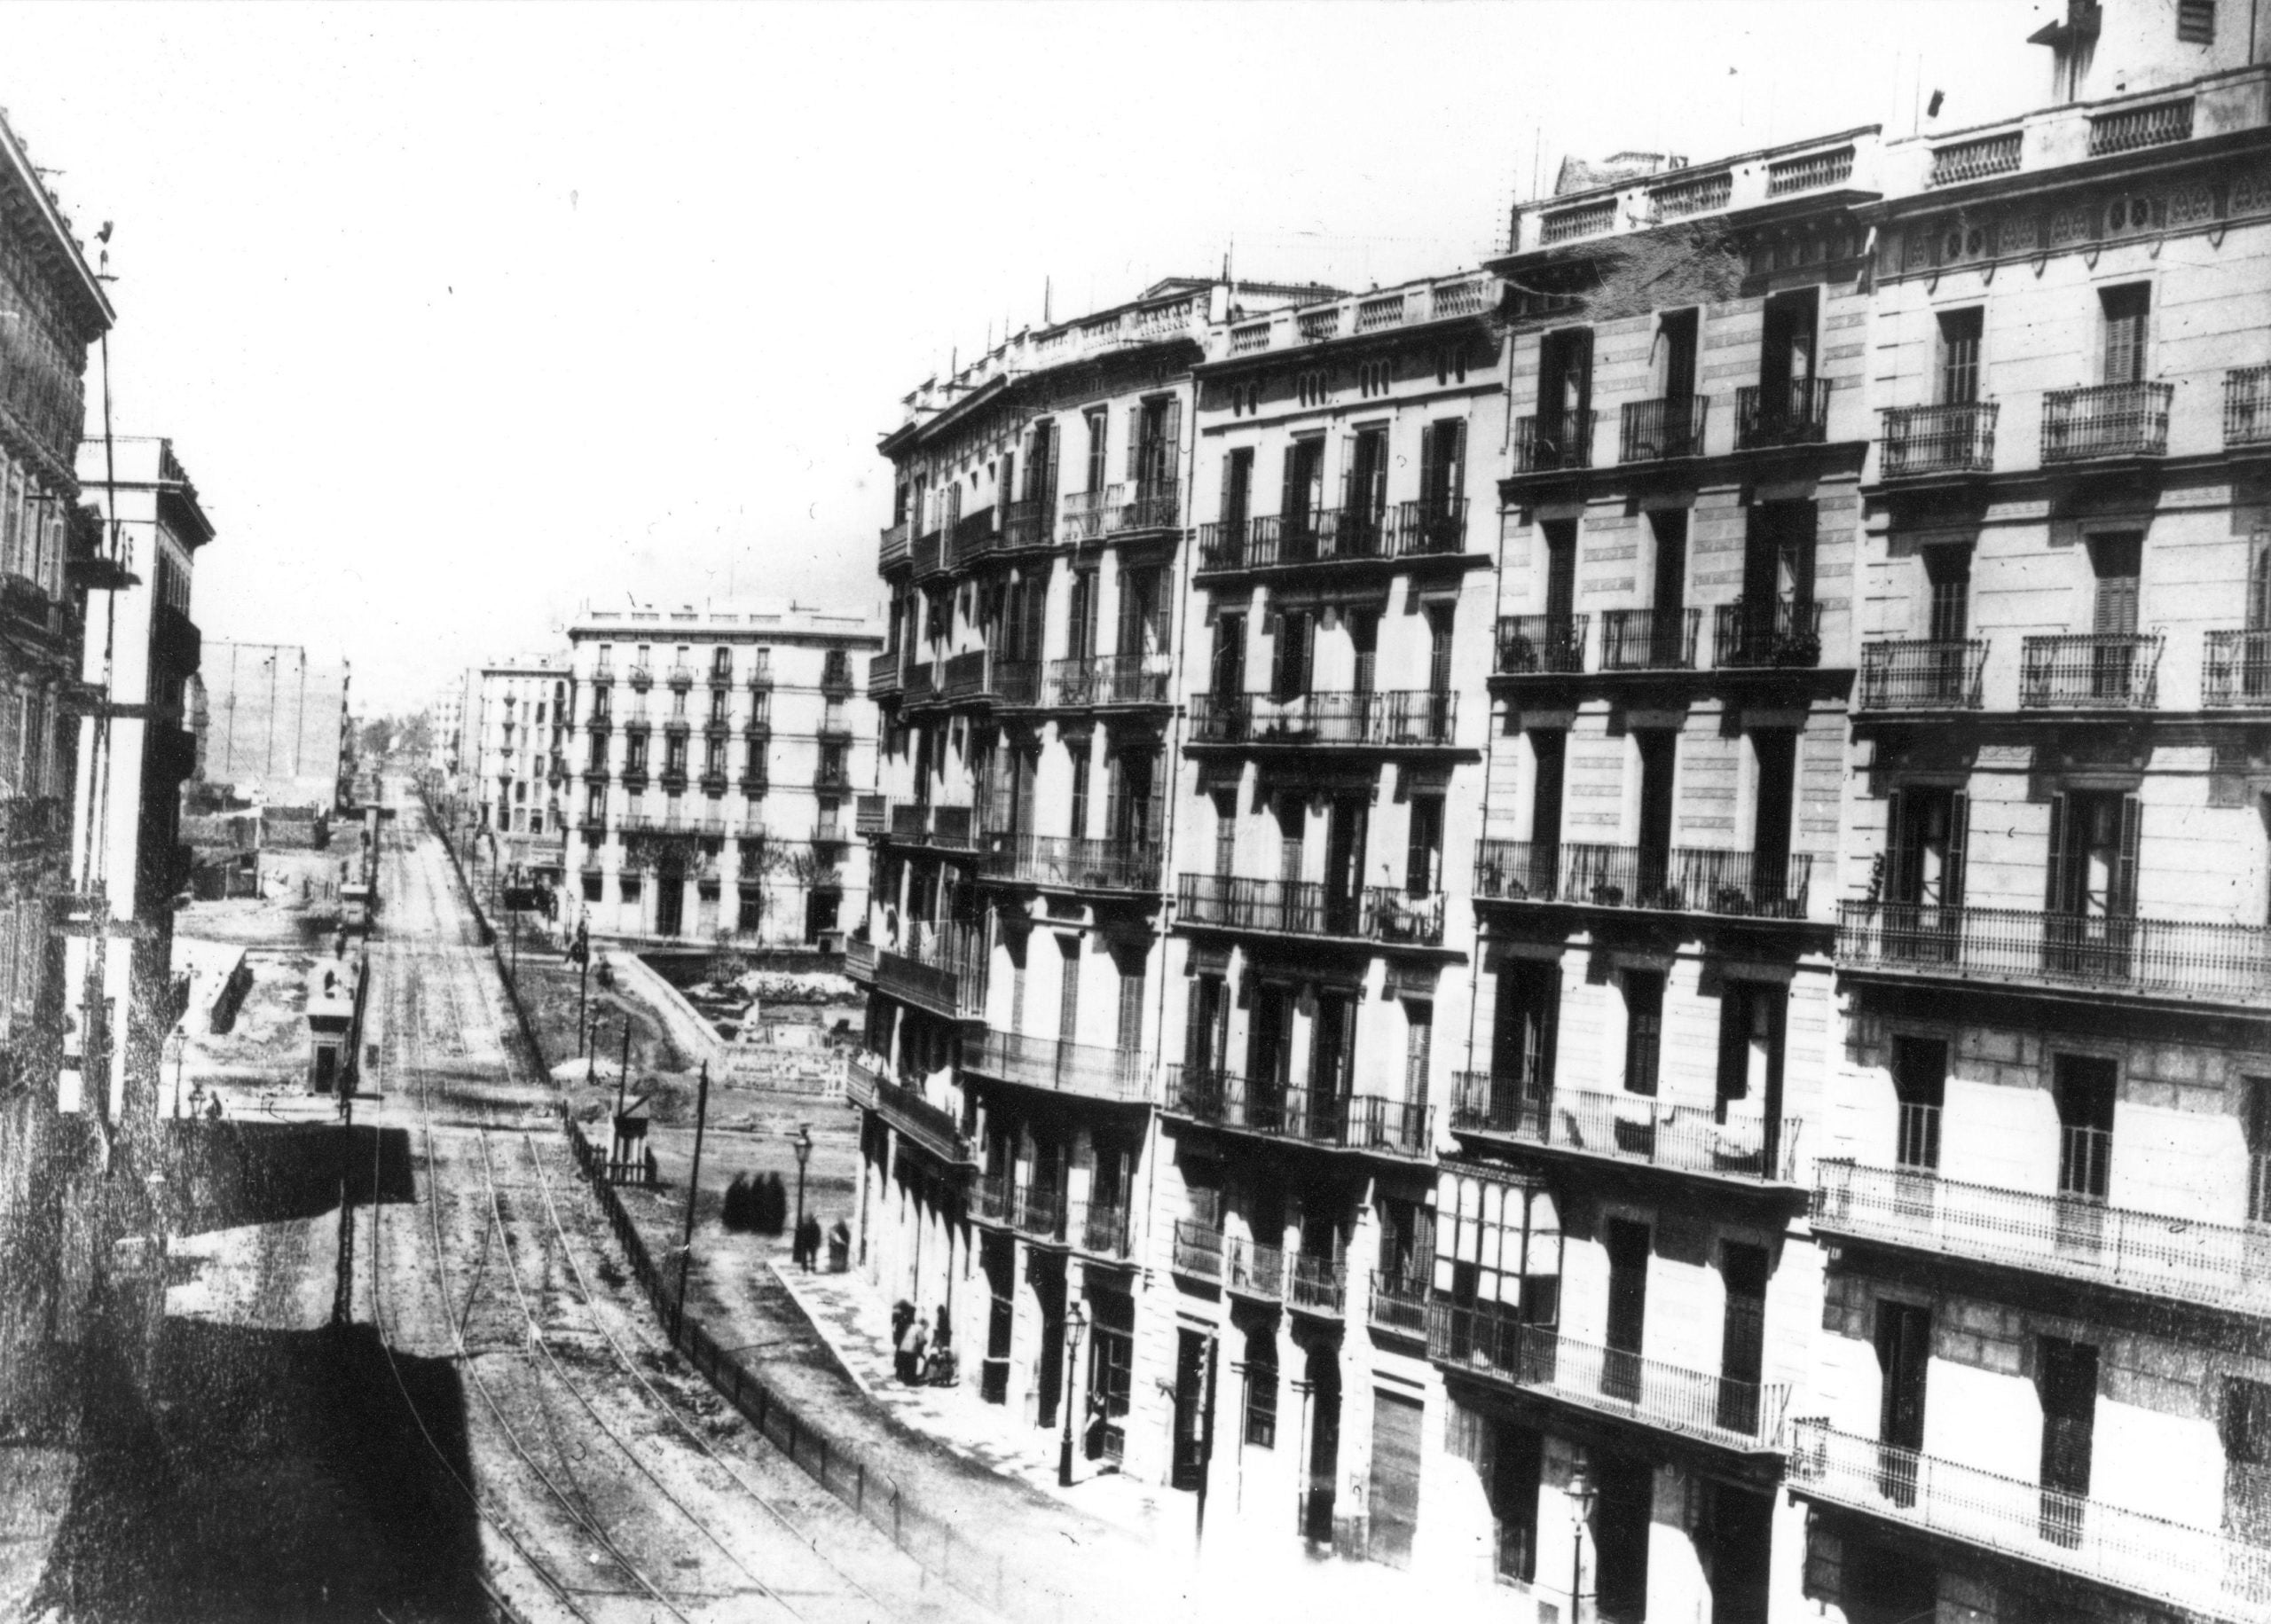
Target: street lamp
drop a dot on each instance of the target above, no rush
(802, 1145)
(1075, 1322)
(179, 1040)
(1581, 1507)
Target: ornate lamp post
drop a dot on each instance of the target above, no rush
(1581, 1509)
(802, 1145)
(1075, 1322)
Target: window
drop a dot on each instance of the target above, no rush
(1226, 832)
(1450, 363)
(1564, 383)
(2247, 1459)
(1301, 496)
(1130, 1035)
(1919, 1081)
(1418, 1044)
(1904, 1340)
(1237, 495)
(2083, 1087)
(1155, 444)
(1644, 1029)
(1289, 654)
(1522, 1036)
(1742, 1336)
(1311, 389)
(1261, 1388)
(1423, 856)
(1078, 826)
(1924, 866)
(1365, 494)
(2123, 312)
(1097, 430)
(1751, 1015)
(2195, 21)
(1673, 360)
(1442, 476)
(1959, 339)
(1561, 570)
(2256, 1125)
(2092, 878)
(2066, 1381)
(1372, 378)
(1080, 617)
(1628, 1307)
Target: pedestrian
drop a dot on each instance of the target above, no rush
(808, 1238)
(796, 1247)
(918, 1352)
(902, 1340)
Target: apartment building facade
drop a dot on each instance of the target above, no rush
(2041, 1382)
(519, 760)
(712, 754)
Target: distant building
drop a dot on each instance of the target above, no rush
(129, 791)
(517, 758)
(718, 750)
(275, 722)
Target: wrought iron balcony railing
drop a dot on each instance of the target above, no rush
(1489, 1343)
(1398, 1304)
(2201, 1572)
(1147, 505)
(1794, 413)
(962, 677)
(1541, 645)
(1199, 1249)
(2247, 406)
(1078, 864)
(1649, 639)
(2091, 670)
(2235, 669)
(1549, 444)
(1722, 1142)
(870, 815)
(2205, 961)
(1658, 430)
(2075, 1237)
(931, 1126)
(1679, 879)
(2106, 420)
(941, 970)
(1921, 674)
(1951, 439)
(1107, 1228)
(974, 536)
(1084, 512)
(1317, 1286)
(1024, 524)
(1306, 907)
(893, 548)
(1108, 680)
(1253, 1269)
(1090, 1070)
(1406, 719)
(1333, 535)
(1780, 633)
(1354, 1122)
(1015, 682)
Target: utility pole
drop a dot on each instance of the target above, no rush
(343, 1297)
(693, 1194)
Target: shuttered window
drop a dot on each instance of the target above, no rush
(2126, 311)
(1394, 1503)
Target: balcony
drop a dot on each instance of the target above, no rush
(961, 677)
(1629, 1128)
(2200, 1571)
(1252, 1269)
(870, 815)
(1743, 1417)
(1369, 1123)
(1334, 535)
(1015, 682)
(973, 538)
(894, 549)
(1089, 1070)
(2247, 406)
(2090, 670)
(1792, 413)
(1649, 639)
(1554, 445)
(1921, 674)
(1678, 880)
(642, 678)
(1408, 718)
(1107, 679)
(1541, 645)
(2235, 670)
(2106, 420)
(1659, 430)
(1198, 1251)
(1927, 441)
(1035, 1211)
(1779, 634)
(2201, 961)
(941, 971)
(1106, 1229)
(832, 781)
(1147, 505)
(1398, 1306)
(713, 783)
(921, 684)
(1073, 863)
(1024, 526)
(883, 673)
(1317, 1287)
(835, 677)
(916, 1118)
(859, 961)
(681, 677)
(1379, 913)
(1084, 514)
(928, 553)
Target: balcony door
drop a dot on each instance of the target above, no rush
(2123, 317)
(1332, 1065)
(1773, 889)
(1144, 621)
(1194, 1410)
(1522, 1045)
(1960, 342)
(1565, 392)
(2115, 567)
(1622, 1517)
(1924, 877)
(1154, 454)
(1099, 430)
(1324, 1442)
(1668, 600)
(2084, 1088)
(1658, 750)
(1227, 666)
(1442, 475)
(1903, 1354)
(1237, 505)
(1205, 1032)
(1364, 495)
(1742, 1337)
(1301, 499)
(1549, 755)
(1628, 1309)
(1786, 355)
(2065, 1380)
(2092, 892)
(1561, 572)
(1041, 473)
(1269, 1055)
(1347, 821)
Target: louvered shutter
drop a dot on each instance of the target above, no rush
(1430, 468)
(2055, 898)
(1046, 465)
(1450, 439)
(1900, 849)
(1170, 452)
(2123, 903)
(1959, 838)
(1288, 497)
(1735, 1041)
(1135, 444)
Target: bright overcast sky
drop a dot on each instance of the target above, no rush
(462, 316)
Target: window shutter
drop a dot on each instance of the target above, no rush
(1450, 436)
(1288, 502)
(1430, 456)
(1735, 1041)
(1958, 837)
(1545, 1038)
(1170, 453)
(2123, 903)
(2055, 900)
(1045, 465)
(1135, 444)
(1900, 849)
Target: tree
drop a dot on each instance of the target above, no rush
(376, 740)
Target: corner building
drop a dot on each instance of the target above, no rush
(2042, 1389)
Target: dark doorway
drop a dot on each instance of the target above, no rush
(669, 898)
(1324, 1444)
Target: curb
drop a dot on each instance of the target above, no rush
(812, 1323)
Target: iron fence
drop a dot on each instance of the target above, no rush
(1923, 674)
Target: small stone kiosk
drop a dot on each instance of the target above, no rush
(336, 988)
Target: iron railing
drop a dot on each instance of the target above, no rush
(1678, 878)
(2202, 1572)
(1793, 413)
(1290, 1110)
(1430, 525)
(941, 970)
(1255, 1270)
(1405, 719)
(1198, 1250)
(2106, 420)
(2091, 670)
(1951, 439)
(1649, 639)
(1075, 862)
(1104, 1228)
(1923, 674)
(2235, 669)
(1090, 1070)
(929, 553)
(962, 677)
(1308, 907)
(2247, 406)
(974, 536)
(1398, 1304)
(1015, 682)
(1725, 1141)
(870, 814)
(1317, 1286)
(933, 1127)
(1490, 1343)
(1084, 512)
(1108, 680)
(893, 547)
(1780, 631)
(1547, 445)
(1148, 505)
(1655, 430)
(2202, 960)
(1538, 645)
(1024, 524)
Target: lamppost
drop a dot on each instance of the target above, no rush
(178, 1039)
(802, 1145)
(1075, 1322)
(1581, 1507)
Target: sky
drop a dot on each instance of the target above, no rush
(463, 316)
